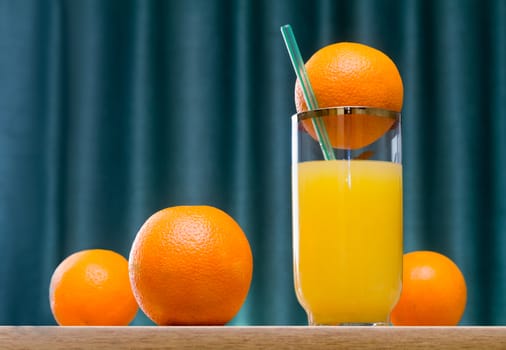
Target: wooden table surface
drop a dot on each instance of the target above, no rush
(230, 337)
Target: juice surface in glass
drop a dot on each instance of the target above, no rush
(348, 240)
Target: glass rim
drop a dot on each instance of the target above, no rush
(346, 110)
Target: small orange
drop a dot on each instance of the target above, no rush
(190, 265)
(434, 291)
(353, 74)
(92, 288)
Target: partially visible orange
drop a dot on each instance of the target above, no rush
(190, 265)
(353, 74)
(92, 288)
(434, 291)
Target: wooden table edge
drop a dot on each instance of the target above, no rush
(252, 337)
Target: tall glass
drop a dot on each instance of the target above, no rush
(347, 216)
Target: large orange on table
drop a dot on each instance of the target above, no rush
(190, 265)
(92, 288)
(353, 74)
(434, 291)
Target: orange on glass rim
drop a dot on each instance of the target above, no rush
(434, 291)
(190, 265)
(353, 74)
(92, 288)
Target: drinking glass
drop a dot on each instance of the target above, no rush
(347, 215)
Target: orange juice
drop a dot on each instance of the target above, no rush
(348, 240)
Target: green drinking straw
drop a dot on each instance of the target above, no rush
(307, 90)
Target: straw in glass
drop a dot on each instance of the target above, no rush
(307, 90)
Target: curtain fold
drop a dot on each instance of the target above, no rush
(111, 110)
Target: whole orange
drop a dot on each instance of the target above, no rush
(92, 288)
(353, 74)
(434, 291)
(190, 265)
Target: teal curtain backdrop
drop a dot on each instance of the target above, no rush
(112, 110)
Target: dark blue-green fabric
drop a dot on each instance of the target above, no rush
(111, 110)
